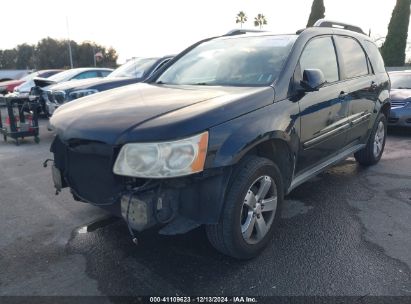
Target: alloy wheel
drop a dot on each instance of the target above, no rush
(258, 210)
(379, 139)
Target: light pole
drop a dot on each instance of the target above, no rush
(69, 44)
(94, 55)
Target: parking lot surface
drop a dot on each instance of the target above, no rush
(346, 232)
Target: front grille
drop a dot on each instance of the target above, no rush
(398, 103)
(59, 97)
(87, 169)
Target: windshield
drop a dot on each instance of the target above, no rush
(133, 68)
(400, 81)
(240, 61)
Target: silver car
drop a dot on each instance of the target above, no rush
(400, 94)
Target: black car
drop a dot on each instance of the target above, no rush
(400, 94)
(133, 71)
(224, 131)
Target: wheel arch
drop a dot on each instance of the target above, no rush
(279, 152)
(385, 108)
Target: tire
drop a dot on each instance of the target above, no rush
(372, 152)
(244, 205)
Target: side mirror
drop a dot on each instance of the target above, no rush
(313, 80)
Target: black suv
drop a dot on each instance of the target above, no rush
(224, 130)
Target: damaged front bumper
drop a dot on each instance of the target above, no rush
(176, 204)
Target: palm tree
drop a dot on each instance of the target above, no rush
(241, 18)
(260, 20)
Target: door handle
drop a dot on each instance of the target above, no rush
(342, 95)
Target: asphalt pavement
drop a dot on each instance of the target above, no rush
(347, 232)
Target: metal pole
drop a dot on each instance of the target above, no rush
(94, 55)
(69, 44)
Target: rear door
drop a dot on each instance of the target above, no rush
(362, 86)
(323, 113)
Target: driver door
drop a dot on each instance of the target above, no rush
(324, 113)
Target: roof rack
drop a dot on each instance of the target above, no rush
(340, 25)
(241, 32)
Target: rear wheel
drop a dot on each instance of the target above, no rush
(252, 209)
(372, 152)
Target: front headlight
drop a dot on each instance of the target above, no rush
(81, 93)
(164, 159)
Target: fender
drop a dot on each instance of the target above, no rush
(381, 103)
(232, 140)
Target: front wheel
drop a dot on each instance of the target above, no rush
(372, 152)
(252, 209)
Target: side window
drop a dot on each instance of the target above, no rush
(104, 73)
(320, 54)
(375, 56)
(88, 74)
(353, 57)
(48, 74)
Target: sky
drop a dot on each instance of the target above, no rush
(139, 28)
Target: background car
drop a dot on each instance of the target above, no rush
(74, 74)
(400, 114)
(6, 75)
(42, 84)
(133, 71)
(25, 87)
(10, 85)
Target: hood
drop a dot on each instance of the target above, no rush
(148, 112)
(400, 94)
(90, 83)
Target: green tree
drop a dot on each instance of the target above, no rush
(85, 54)
(260, 20)
(241, 18)
(317, 12)
(25, 56)
(393, 49)
(109, 58)
(8, 59)
(52, 53)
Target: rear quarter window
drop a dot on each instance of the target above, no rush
(375, 57)
(353, 58)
